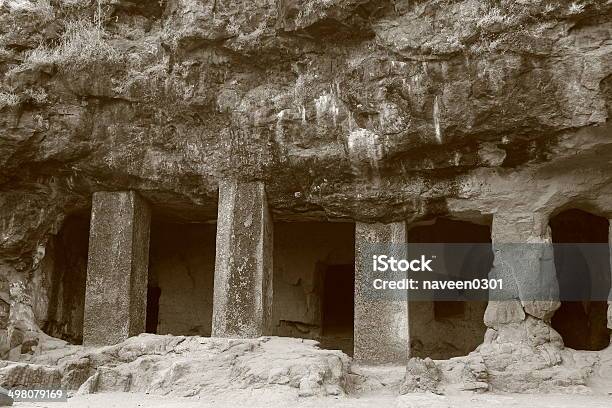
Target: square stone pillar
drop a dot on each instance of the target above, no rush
(117, 268)
(610, 295)
(381, 334)
(242, 303)
(524, 260)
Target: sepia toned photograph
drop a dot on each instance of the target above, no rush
(306, 203)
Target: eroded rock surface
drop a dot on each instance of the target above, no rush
(524, 356)
(191, 366)
(183, 366)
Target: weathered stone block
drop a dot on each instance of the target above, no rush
(242, 305)
(525, 263)
(503, 312)
(422, 375)
(542, 309)
(5, 400)
(117, 269)
(5, 301)
(381, 324)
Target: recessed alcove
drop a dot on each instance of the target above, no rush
(181, 277)
(583, 273)
(442, 329)
(314, 278)
(180, 286)
(65, 270)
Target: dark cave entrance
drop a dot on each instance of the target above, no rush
(583, 273)
(181, 277)
(153, 295)
(314, 274)
(65, 266)
(337, 311)
(442, 329)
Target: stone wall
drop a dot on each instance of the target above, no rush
(442, 337)
(4, 314)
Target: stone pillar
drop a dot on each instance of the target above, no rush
(524, 260)
(610, 295)
(242, 304)
(381, 322)
(117, 268)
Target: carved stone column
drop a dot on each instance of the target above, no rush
(117, 268)
(610, 295)
(524, 261)
(242, 302)
(381, 323)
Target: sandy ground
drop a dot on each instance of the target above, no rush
(255, 399)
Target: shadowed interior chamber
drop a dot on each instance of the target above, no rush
(445, 329)
(580, 321)
(181, 277)
(65, 270)
(314, 277)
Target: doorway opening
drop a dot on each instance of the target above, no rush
(153, 295)
(314, 275)
(442, 329)
(65, 267)
(337, 314)
(583, 273)
(181, 277)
